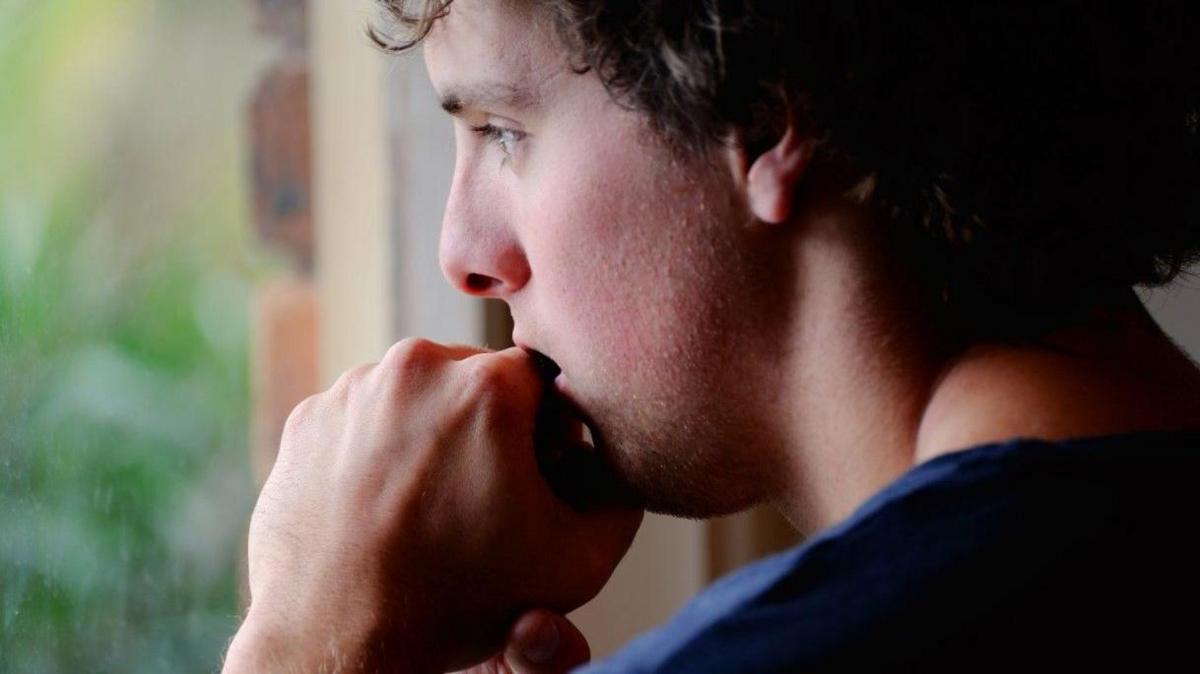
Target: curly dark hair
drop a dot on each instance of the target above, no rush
(1025, 159)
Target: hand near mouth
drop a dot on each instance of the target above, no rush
(570, 454)
(406, 524)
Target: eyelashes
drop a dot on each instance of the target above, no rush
(504, 138)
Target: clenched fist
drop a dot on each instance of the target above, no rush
(405, 525)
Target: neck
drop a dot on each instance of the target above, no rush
(1113, 372)
(876, 397)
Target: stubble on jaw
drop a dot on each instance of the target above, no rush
(686, 440)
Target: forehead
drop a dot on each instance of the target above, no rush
(492, 47)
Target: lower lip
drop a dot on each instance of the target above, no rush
(562, 388)
(560, 385)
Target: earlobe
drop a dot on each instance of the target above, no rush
(774, 175)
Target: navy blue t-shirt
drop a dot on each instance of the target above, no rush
(1023, 554)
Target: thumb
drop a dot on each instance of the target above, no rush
(544, 642)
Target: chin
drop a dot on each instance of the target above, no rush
(683, 482)
(687, 460)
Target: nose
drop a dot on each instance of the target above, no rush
(479, 252)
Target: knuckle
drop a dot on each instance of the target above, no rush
(303, 410)
(351, 377)
(486, 378)
(301, 415)
(496, 387)
(411, 352)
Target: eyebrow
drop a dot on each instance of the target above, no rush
(488, 94)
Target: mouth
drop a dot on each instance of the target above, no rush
(547, 369)
(558, 402)
(570, 453)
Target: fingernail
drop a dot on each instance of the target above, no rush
(542, 644)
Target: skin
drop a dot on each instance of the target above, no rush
(540, 230)
(405, 525)
(732, 327)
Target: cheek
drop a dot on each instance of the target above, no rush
(585, 255)
(623, 264)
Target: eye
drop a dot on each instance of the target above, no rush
(503, 137)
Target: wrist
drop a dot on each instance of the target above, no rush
(260, 647)
(257, 649)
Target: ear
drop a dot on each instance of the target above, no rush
(772, 178)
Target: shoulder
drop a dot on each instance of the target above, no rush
(1000, 548)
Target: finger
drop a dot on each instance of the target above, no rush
(431, 348)
(516, 356)
(516, 371)
(413, 359)
(463, 351)
(544, 642)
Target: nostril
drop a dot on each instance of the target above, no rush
(480, 283)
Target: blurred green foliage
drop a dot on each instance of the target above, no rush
(124, 276)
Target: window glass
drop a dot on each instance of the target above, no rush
(124, 283)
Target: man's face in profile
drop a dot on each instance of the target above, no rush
(640, 273)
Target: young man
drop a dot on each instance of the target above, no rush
(869, 264)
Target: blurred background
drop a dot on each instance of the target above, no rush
(209, 209)
(125, 272)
